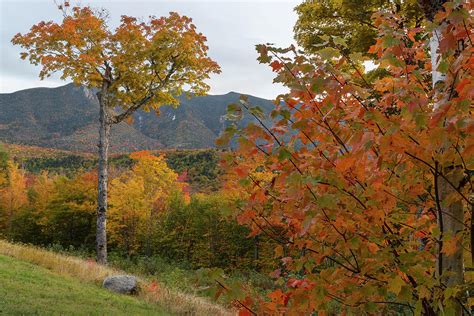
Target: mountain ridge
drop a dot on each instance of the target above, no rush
(66, 117)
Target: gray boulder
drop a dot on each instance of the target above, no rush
(123, 284)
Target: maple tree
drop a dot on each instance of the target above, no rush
(137, 65)
(12, 195)
(138, 197)
(69, 216)
(32, 223)
(364, 172)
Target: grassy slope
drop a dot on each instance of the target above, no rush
(30, 289)
(68, 273)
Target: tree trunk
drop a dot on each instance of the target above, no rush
(149, 234)
(10, 218)
(104, 131)
(453, 223)
(450, 214)
(256, 254)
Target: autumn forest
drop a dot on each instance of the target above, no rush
(349, 193)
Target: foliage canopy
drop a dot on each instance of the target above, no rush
(348, 19)
(360, 172)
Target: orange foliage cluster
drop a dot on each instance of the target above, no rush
(353, 165)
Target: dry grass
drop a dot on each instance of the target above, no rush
(91, 272)
(87, 271)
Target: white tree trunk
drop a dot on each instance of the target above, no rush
(437, 76)
(450, 214)
(104, 131)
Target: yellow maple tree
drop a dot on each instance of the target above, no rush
(138, 197)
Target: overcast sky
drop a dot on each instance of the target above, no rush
(233, 28)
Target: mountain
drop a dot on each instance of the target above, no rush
(67, 118)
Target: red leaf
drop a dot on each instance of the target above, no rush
(276, 65)
(244, 312)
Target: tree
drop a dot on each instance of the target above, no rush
(348, 19)
(12, 195)
(68, 218)
(31, 222)
(42, 190)
(4, 157)
(138, 197)
(139, 65)
(363, 174)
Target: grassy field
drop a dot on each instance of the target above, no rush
(28, 289)
(37, 281)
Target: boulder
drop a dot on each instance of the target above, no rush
(123, 284)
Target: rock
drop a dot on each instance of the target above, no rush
(123, 284)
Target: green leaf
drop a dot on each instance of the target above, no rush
(284, 154)
(263, 51)
(328, 53)
(395, 284)
(443, 67)
(339, 41)
(257, 111)
(325, 37)
(244, 182)
(418, 308)
(294, 179)
(234, 112)
(405, 293)
(370, 307)
(354, 243)
(285, 114)
(420, 119)
(356, 57)
(317, 85)
(435, 232)
(394, 61)
(299, 124)
(233, 107)
(390, 41)
(327, 200)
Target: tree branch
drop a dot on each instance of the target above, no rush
(150, 94)
(442, 175)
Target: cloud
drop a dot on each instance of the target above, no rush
(15, 83)
(233, 28)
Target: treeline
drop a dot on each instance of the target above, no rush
(201, 166)
(153, 212)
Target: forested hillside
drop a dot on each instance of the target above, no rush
(66, 118)
(199, 167)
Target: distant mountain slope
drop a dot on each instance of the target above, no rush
(66, 118)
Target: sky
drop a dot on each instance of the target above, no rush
(232, 28)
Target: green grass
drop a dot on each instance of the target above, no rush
(88, 272)
(29, 289)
